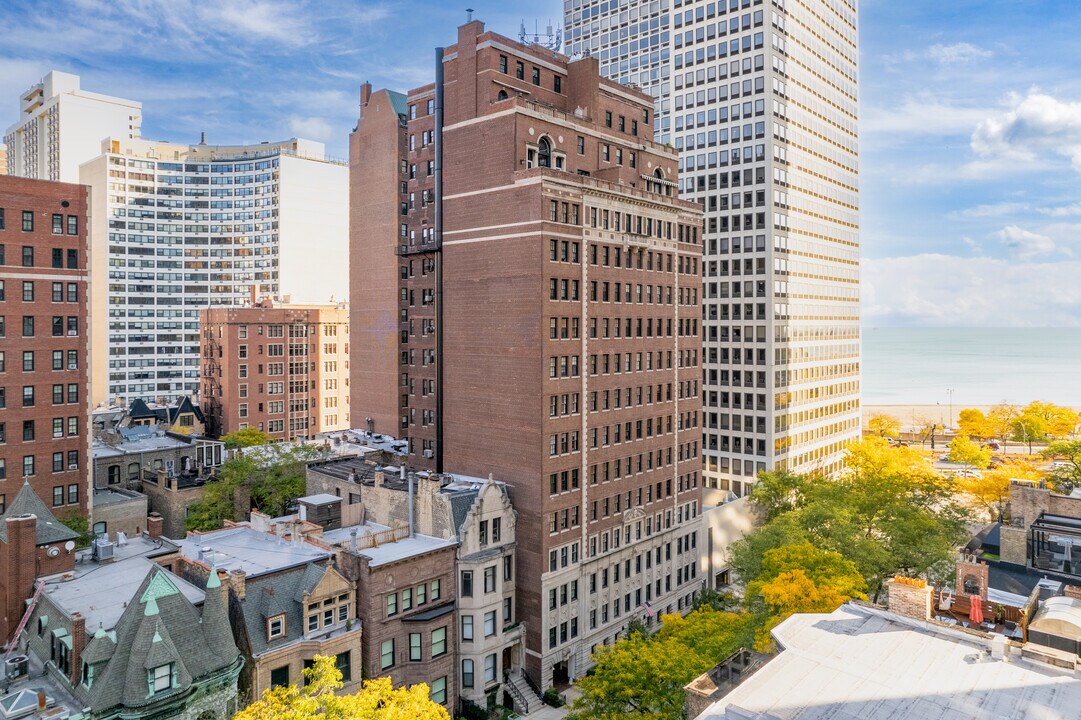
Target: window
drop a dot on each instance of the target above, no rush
(73, 494)
(73, 224)
(467, 627)
(581, 145)
(557, 84)
(28, 291)
(386, 654)
(28, 326)
(28, 256)
(508, 568)
(489, 668)
(28, 396)
(58, 224)
(467, 673)
(608, 118)
(489, 623)
(392, 605)
(313, 623)
(28, 434)
(344, 663)
(439, 690)
(28, 361)
(279, 676)
(536, 76)
(467, 584)
(28, 465)
(28, 221)
(414, 647)
(519, 70)
(489, 579)
(58, 496)
(435, 589)
(160, 678)
(503, 64)
(439, 642)
(544, 153)
(73, 259)
(276, 627)
(58, 259)
(420, 594)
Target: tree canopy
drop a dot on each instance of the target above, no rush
(890, 512)
(245, 437)
(968, 453)
(271, 478)
(642, 676)
(991, 488)
(1066, 474)
(974, 424)
(318, 700)
(884, 425)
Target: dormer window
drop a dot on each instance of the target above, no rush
(275, 627)
(502, 95)
(161, 678)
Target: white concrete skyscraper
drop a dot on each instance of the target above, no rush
(761, 99)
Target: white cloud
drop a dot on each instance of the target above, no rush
(314, 128)
(957, 54)
(1023, 243)
(922, 114)
(944, 290)
(1036, 125)
(1062, 210)
(990, 210)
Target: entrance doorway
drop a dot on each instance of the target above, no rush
(561, 674)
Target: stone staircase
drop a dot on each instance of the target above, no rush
(526, 699)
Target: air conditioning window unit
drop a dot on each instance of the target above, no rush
(73, 466)
(58, 434)
(73, 332)
(429, 453)
(73, 366)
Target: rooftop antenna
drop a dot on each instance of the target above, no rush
(551, 39)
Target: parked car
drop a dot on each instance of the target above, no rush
(993, 445)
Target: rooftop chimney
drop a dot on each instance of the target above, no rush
(910, 597)
(412, 477)
(202, 138)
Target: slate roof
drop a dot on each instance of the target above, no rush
(159, 626)
(276, 594)
(183, 405)
(49, 530)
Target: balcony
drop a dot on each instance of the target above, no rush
(417, 249)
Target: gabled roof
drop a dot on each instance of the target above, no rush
(160, 625)
(184, 405)
(49, 530)
(139, 410)
(280, 593)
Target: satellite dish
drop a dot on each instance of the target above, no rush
(69, 545)
(53, 552)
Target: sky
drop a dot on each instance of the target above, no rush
(970, 128)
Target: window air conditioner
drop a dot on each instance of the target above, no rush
(429, 453)
(73, 332)
(73, 466)
(58, 434)
(73, 366)
(529, 164)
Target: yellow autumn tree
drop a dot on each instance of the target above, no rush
(972, 423)
(965, 452)
(991, 489)
(884, 425)
(318, 700)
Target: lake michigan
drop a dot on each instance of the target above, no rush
(984, 366)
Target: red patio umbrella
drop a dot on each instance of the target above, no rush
(975, 609)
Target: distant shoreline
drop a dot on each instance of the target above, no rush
(911, 414)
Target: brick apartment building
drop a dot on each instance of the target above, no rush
(281, 368)
(44, 407)
(544, 326)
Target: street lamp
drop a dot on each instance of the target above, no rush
(949, 391)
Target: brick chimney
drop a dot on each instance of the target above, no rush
(910, 597)
(971, 576)
(154, 524)
(78, 642)
(239, 582)
(18, 568)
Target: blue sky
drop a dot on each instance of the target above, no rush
(970, 127)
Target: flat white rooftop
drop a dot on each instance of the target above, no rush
(250, 550)
(858, 663)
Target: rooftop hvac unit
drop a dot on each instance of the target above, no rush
(102, 549)
(17, 666)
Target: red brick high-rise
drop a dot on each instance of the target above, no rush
(44, 351)
(547, 330)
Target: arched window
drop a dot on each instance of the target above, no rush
(544, 152)
(133, 471)
(502, 95)
(100, 528)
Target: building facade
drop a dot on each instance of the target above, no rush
(44, 351)
(184, 227)
(549, 327)
(283, 369)
(762, 100)
(61, 126)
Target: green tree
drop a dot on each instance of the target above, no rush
(79, 524)
(801, 578)
(1066, 474)
(272, 477)
(245, 437)
(1029, 427)
(889, 512)
(318, 699)
(642, 677)
(965, 452)
(974, 424)
(884, 425)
